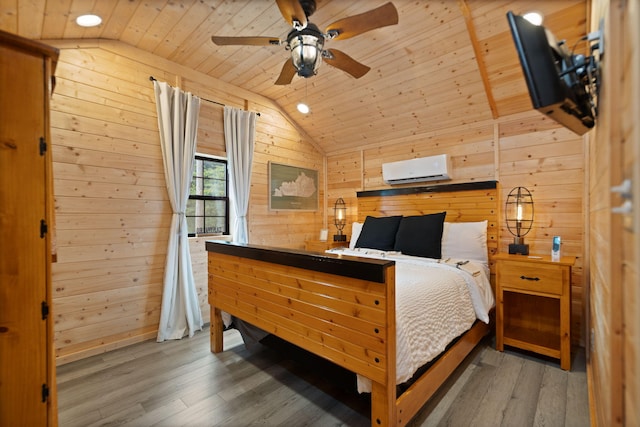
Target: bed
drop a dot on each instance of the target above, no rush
(342, 306)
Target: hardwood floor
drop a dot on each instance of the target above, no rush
(180, 383)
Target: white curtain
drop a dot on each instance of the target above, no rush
(178, 124)
(239, 136)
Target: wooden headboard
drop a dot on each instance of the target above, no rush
(464, 202)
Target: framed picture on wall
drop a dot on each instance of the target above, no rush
(292, 188)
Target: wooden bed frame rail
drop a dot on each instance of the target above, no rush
(340, 308)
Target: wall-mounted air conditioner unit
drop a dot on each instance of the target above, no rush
(433, 168)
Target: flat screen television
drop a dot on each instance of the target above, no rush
(555, 78)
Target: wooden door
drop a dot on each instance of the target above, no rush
(625, 175)
(629, 145)
(24, 252)
(614, 356)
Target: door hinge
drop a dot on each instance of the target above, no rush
(45, 310)
(45, 393)
(43, 228)
(43, 146)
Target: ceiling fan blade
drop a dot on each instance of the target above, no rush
(346, 63)
(287, 73)
(291, 11)
(250, 41)
(358, 24)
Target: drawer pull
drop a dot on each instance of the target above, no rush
(530, 278)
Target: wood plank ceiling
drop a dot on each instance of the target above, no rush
(446, 63)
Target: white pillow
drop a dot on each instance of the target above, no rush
(465, 240)
(356, 228)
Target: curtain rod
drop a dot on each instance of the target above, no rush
(153, 79)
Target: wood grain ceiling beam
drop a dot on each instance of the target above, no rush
(471, 29)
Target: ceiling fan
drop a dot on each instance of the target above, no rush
(306, 41)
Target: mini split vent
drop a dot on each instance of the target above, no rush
(433, 168)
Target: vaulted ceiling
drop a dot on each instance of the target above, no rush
(447, 63)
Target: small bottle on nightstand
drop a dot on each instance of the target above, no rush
(555, 249)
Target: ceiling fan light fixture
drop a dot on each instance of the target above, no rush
(305, 42)
(306, 50)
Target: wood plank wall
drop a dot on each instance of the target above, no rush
(525, 149)
(112, 210)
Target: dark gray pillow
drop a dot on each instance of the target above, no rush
(421, 235)
(379, 233)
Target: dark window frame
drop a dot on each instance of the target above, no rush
(225, 198)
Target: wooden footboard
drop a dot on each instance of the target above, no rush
(340, 308)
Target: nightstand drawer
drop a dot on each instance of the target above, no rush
(544, 278)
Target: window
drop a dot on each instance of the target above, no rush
(208, 205)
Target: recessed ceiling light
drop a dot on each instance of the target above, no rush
(88, 20)
(534, 17)
(303, 108)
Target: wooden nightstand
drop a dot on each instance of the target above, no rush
(322, 245)
(533, 305)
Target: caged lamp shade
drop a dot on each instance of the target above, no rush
(519, 216)
(340, 220)
(306, 50)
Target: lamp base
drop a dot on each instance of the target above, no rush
(517, 249)
(339, 237)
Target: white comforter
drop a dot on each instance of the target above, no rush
(436, 301)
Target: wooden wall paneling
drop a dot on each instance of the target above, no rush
(123, 308)
(525, 123)
(344, 180)
(120, 99)
(83, 273)
(109, 185)
(101, 124)
(521, 144)
(66, 136)
(97, 128)
(111, 196)
(99, 67)
(211, 129)
(471, 152)
(127, 276)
